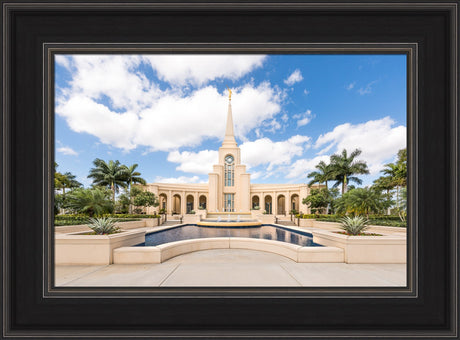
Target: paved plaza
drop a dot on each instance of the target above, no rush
(233, 267)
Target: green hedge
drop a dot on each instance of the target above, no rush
(60, 223)
(63, 220)
(131, 216)
(383, 220)
(308, 216)
(71, 218)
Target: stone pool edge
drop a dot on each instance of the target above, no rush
(164, 252)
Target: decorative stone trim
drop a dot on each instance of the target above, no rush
(166, 251)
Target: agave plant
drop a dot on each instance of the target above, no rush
(103, 225)
(354, 225)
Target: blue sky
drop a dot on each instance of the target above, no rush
(168, 112)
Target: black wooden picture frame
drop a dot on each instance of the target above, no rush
(427, 32)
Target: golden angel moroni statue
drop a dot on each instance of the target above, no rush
(229, 93)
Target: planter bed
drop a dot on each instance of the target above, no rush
(365, 249)
(81, 249)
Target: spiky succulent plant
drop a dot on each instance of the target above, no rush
(354, 225)
(103, 225)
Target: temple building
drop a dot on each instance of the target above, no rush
(229, 189)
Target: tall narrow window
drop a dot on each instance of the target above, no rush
(229, 202)
(229, 179)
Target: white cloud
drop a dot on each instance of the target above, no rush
(295, 77)
(178, 180)
(379, 141)
(304, 118)
(350, 86)
(265, 151)
(306, 92)
(366, 89)
(108, 98)
(301, 167)
(272, 126)
(194, 162)
(256, 174)
(111, 77)
(199, 69)
(67, 151)
(285, 118)
(62, 60)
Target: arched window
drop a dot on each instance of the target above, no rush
(229, 179)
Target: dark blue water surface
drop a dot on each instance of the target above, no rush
(267, 232)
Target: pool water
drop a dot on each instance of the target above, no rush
(267, 232)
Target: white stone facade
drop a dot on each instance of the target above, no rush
(229, 189)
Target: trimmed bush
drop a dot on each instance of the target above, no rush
(306, 216)
(382, 220)
(131, 216)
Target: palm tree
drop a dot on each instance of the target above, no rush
(111, 174)
(94, 202)
(69, 182)
(397, 172)
(361, 201)
(132, 176)
(366, 200)
(384, 183)
(343, 167)
(63, 181)
(322, 175)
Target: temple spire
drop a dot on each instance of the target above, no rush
(229, 139)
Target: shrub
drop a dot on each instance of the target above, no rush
(256, 207)
(103, 225)
(92, 202)
(354, 225)
(192, 211)
(131, 216)
(308, 216)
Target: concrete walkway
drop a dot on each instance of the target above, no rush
(233, 267)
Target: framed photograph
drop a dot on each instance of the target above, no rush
(230, 170)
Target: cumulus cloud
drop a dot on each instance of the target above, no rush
(62, 60)
(379, 141)
(301, 167)
(194, 162)
(295, 77)
(109, 98)
(366, 89)
(67, 151)
(303, 118)
(178, 180)
(199, 69)
(266, 151)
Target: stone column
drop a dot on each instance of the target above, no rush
(212, 199)
(196, 201)
(303, 192)
(262, 202)
(275, 203)
(169, 199)
(183, 203)
(288, 203)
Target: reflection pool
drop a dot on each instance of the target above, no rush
(266, 232)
